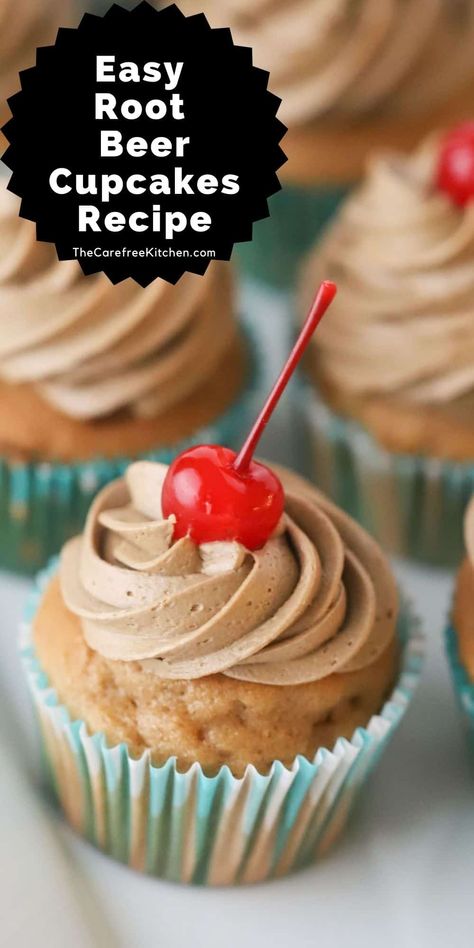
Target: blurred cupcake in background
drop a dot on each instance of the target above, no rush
(210, 714)
(25, 25)
(353, 75)
(92, 374)
(460, 634)
(391, 409)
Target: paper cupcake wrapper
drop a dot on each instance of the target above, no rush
(43, 504)
(463, 687)
(413, 505)
(220, 830)
(280, 242)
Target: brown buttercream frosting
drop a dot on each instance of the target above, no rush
(91, 348)
(318, 599)
(25, 25)
(402, 255)
(350, 58)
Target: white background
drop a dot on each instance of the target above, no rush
(402, 877)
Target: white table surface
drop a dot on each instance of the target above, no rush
(401, 877)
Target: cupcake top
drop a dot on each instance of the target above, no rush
(402, 254)
(348, 58)
(25, 25)
(317, 599)
(92, 348)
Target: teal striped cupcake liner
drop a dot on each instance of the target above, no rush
(221, 830)
(44, 504)
(413, 505)
(463, 687)
(280, 242)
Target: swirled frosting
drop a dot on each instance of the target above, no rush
(402, 255)
(25, 25)
(92, 348)
(317, 599)
(349, 58)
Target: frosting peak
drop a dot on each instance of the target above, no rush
(92, 348)
(402, 255)
(317, 599)
(348, 58)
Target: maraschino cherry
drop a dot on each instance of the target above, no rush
(455, 169)
(216, 494)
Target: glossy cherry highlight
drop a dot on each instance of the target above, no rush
(213, 501)
(455, 169)
(216, 494)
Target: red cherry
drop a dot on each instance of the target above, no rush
(218, 495)
(211, 500)
(455, 169)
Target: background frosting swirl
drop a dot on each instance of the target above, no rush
(318, 599)
(351, 57)
(92, 348)
(402, 255)
(25, 25)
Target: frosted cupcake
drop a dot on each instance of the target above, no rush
(92, 374)
(211, 663)
(24, 25)
(393, 429)
(353, 75)
(460, 636)
(209, 713)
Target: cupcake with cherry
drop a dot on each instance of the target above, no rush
(353, 76)
(217, 663)
(391, 405)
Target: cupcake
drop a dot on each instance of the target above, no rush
(460, 636)
(209, 713)
(24, 25)
(352, 75)
(92, 374)
(392, 424)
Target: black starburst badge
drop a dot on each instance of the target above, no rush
(144, 143)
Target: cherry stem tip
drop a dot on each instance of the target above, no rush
(321, 302)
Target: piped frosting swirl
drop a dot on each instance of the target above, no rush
(25, 25)
(350, 58)
(402, 255)
(92, 348)
(318, 599)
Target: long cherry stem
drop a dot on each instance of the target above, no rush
(322, 300)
